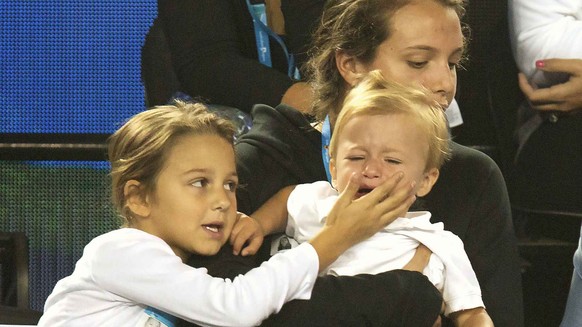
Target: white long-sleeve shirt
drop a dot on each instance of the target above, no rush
(124, 271)
(449, 268)
(543, 29)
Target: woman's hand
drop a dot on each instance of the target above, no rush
(353, 220)
(560, 97)
(247, 231)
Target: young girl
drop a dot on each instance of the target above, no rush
(174, 181)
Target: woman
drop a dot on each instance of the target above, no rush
(410, 41)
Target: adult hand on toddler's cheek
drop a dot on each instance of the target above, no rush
(246, 230)
(560, 97)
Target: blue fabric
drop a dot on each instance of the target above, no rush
(262, 30)
(325, 139)
(164, 318)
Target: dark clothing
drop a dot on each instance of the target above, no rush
(470, 198)
(301, 18)
(547, 172)
(214, 54)
(393, 298)
(400, 298)
(213, 49)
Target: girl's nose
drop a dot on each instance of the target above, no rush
(220, 200)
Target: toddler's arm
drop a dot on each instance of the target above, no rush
(420, 259)
(476, 317)
(270, 218)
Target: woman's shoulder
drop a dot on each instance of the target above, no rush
(467, 158)
(282, 133)
(470, 177)
(281, 114)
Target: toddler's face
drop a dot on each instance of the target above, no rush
(377, 146)
(193, 207)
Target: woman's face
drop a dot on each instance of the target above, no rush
(425, 46)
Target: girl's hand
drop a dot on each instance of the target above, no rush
(247, 231)
(352, 221)
(365, 216)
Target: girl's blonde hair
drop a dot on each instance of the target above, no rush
(376, 96)
(356, 27)
(137, 150)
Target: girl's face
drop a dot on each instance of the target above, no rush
(193, 206)
(425, 46)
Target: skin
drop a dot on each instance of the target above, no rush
(378, 146)
(562, 97)
(426, 52)
(193, 206)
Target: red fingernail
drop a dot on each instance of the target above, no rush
(540, 64)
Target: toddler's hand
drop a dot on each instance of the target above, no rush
(247, 231)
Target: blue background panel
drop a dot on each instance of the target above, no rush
(71, 66)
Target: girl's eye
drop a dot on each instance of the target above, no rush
(417, 64)
(230, 186)
(355, 158)
(453, 65)
(200, 183)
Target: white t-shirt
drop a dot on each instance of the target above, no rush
(449, 268)
(124, 271)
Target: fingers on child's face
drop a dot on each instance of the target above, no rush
(375, 147)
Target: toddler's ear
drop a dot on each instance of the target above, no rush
(135, 199)
(428, 180)
(333, 172)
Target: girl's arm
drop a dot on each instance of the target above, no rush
(142, 269)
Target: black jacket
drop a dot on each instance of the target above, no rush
(213, 50)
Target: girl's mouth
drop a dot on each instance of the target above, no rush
(215, 228)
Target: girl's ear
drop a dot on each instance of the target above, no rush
(135, 199)
(349, 67)
(428, 181)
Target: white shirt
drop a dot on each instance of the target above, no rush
(449, 268)
(124, 271)
(544, 29)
